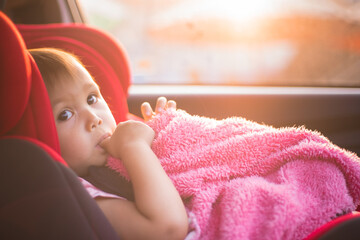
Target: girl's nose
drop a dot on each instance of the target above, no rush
(93, 121)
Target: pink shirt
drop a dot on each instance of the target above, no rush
(95, 192)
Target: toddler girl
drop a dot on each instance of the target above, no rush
(88, 134)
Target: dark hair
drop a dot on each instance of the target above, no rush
(55, 65)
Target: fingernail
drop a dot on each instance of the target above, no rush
(147, 112)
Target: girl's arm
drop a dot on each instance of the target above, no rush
(158, 212)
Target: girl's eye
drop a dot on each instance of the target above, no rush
(92, 99)
(65, 115)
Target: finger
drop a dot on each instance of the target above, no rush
(146, 111)
(160, 104)
(104, 144)
(171, 104)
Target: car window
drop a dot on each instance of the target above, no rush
(232, 42)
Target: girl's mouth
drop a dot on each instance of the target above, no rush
(103, 137)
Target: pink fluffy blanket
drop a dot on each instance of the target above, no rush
(243, 180)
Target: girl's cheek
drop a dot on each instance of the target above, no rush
(65, 130)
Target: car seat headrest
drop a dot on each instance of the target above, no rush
(103, 57)
(15, 75)
(24, 103)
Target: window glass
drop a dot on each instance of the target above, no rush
(254, 42)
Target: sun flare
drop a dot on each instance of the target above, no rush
(231, 10)
(239, 11)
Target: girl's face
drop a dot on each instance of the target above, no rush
(83, 120)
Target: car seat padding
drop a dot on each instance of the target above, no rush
(24, 103)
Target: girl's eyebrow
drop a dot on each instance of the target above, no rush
(59, 100)
(91, 85)
(86, 87)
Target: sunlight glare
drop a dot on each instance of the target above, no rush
(239, 11)
(236, 11)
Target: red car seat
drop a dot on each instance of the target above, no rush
(41, 198)
(22, 92)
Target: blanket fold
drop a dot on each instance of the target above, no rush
(244, 180)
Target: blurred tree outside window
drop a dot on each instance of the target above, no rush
(232, 42)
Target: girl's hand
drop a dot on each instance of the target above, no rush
(128, 135)
(158, 211)
(161, 105)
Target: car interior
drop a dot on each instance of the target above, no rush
(29, 139)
